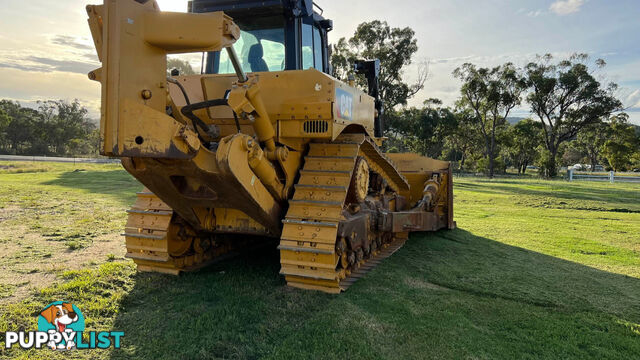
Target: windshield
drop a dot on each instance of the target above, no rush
(260, 48)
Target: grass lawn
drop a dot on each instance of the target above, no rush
(536, 269)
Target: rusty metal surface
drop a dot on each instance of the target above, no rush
(209, 181)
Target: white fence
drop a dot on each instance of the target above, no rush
(611, 177)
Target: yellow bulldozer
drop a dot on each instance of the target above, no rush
(263, 145)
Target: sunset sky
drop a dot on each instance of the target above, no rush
(46, 51)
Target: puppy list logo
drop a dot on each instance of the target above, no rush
(61, 327)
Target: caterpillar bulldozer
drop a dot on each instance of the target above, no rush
(263, 146)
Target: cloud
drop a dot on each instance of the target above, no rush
(69, 54)
(535, 13)
(442, 85)
(23, 67)
(46, 65)
(28, 87)
(451, 60)
(566, 7)
(71, 66)
(633, 99)
(70, 41)
(91, 56)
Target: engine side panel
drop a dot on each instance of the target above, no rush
(303, 105)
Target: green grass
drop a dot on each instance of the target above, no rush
(64, 202)
(536, 269)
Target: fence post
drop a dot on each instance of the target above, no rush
(612, 176)
(570, 174)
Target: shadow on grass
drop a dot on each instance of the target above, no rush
(116, 183)
(444, 295)
(560, 190)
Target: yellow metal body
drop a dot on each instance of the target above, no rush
(305, 142)
(132, 41)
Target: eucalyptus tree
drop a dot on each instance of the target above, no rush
(490, 94)
(525, 137)
(394, 47)
(566, 97)
(622, 142)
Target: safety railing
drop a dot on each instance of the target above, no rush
(611, 177)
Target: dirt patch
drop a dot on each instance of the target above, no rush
(33, 261)
(9, 212)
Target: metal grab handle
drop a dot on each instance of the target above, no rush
(233, 56)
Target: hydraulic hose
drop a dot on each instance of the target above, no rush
(189, 109)
(184, 92)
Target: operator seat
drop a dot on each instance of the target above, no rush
(257, 63)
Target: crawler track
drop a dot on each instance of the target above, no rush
(158, 241)
(310, 255)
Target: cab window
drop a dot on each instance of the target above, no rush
(260, 48)
(311, 47)
(317, 48)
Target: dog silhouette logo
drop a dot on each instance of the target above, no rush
(64, 318)
(61, 327)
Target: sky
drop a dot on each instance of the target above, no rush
(46, 51)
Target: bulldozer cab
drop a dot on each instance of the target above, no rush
(276, 35)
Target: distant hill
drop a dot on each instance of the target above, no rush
(514, 120)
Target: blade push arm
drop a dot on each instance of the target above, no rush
(132, 39)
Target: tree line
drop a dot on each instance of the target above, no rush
(54, 128)
(576, 115)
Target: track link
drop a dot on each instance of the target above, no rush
(158, 242)
(308, 254)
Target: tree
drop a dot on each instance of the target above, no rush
(572, 155)
(65, 121)
(590, 141)
(182, 66)
(545, 160)
(88, 145)
(4, 123)
(621, 143)
(21, 127)
(635, 160)
(490, 94)
(421, 130)
(566, 97)
(57, 127)
(463, 141)
(524, 139)
(394, 47)
(11, 108)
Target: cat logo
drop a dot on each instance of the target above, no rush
(344, 104)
